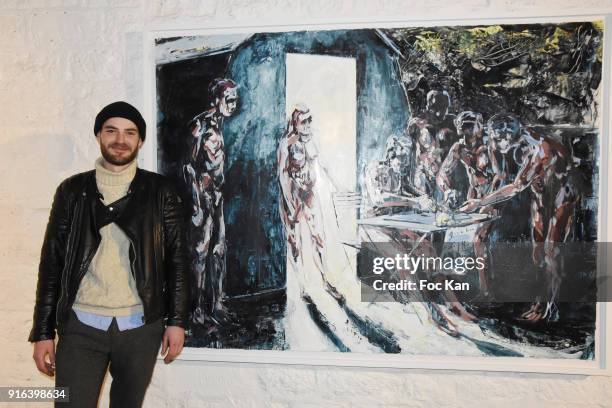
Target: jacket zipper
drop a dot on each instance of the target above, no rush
(68, 261)
(132, 269)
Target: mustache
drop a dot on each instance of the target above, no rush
(120, 146)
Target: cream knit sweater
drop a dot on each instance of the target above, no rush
(108, 288)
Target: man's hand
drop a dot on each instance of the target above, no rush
(451, 197)
(470, 205)
(172, 343)
(219, 249)
(189, 175)
(41, 349)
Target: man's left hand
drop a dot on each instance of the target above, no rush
(470, 206)
(219, 249)
(172, 343)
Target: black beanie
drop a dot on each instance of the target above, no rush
(121, 110)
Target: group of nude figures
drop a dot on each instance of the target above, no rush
(500, 160)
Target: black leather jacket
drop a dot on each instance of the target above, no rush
(153, 221)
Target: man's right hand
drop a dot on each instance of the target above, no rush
(188, 170)
(41, 349)
(451, 197)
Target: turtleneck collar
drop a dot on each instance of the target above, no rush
(110, 178)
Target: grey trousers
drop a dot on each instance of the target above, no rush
(84, 353)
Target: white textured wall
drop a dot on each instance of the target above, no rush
(61, 60)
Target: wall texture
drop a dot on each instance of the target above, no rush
(61, 60)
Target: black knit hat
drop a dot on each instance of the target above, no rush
(121, 110)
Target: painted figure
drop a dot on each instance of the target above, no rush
(386, 182)
(545, 167)
(434, 134)
(298, 165)
(439, 121)
(505, 152)
(428, 158)
(387, 190)
(471, 152)
(204, 173)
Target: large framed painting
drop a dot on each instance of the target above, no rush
(393, 196)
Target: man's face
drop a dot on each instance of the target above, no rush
(469, 130)
(437, 107)
(303, 124)
(228, 102)
(403, 149)
(502, 136)
(119, 141)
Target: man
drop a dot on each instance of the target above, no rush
(428, 157)
(386, 183)
(546, 166)
(203, 173)
(434, 134)
(436, 120)
(505, 151)
(112, 271)
(471, 153)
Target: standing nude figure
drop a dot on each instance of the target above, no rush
(298, 164)
(203, 172)
(471, 153)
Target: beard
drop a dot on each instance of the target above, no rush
(116, 159)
